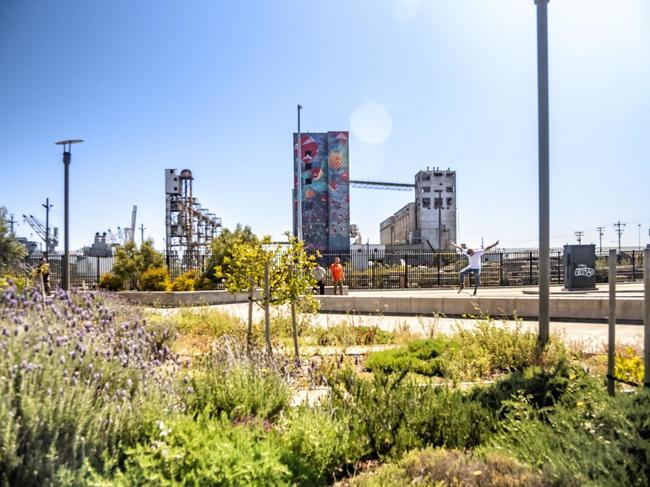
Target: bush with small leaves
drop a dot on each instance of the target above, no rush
(110, 282)
(154, 279)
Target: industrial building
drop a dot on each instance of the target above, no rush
(430, 221)
(324, 171)
(189, 228)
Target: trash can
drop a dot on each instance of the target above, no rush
(579, 267)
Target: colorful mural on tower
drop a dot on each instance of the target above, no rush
(325, 191)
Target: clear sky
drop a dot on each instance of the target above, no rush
(212, 85)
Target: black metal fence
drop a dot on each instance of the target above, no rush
(372, 269)
(86, 270)
(378, 269)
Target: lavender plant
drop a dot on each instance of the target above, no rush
(78, 383)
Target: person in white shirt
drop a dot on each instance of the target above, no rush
(474, 266)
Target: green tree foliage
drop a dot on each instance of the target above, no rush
(131, 262)
(243, 271)
(221, 249)
(289, 276)
(11, 251)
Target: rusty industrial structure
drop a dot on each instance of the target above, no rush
(189, 227)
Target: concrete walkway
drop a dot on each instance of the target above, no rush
(522, 302)
(590, 337)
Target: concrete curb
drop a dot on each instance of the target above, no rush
(592, 308)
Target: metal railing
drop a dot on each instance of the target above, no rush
(371, 269)
(377, 269)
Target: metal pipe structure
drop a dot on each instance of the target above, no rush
(65, 275)
(611, 319)
(544, 263)
(299, 181)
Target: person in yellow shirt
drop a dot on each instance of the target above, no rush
(43, 272)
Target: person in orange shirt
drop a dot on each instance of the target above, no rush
(337, 275)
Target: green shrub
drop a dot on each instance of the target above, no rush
(185, 282)
(419, 356)
(230, 381)
(486, 349)
(543, 387)
(203, 451)
(346, 334)
(154, 279)
(203, 283)
(316, 445)
(110, 282)
(392, 414)
(439, 467)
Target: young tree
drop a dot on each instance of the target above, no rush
(283, 273)
(295, 283)
(243, 271)
(11, 250)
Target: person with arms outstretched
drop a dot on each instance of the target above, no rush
(474, 266)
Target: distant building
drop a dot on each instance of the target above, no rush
(325, 173)
(430, 221)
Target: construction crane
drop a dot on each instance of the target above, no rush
(39, 229)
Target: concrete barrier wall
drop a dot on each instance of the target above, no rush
(588, 308)
(182, 298)
(194, 298)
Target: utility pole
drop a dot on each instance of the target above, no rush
(47, 207)
(11, 224)
(439, 204)
(600, 237)
(619, 230)
(579, 235)
(543, 147)
(142, 229)
(639, 236)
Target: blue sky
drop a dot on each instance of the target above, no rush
(212, 85)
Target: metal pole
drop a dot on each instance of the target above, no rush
(47, 228)
(67, 145)
(267, 312)
(11, 225)
(611, 340)
(543, 134)
(65, 282)
(299, 177)
(646, 316)
(439, 199)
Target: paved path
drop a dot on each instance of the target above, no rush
(626, 290)
(589, 336)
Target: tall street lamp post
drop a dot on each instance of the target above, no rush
(65, 278)
(543, 142)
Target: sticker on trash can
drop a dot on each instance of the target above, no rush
(584, 271)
